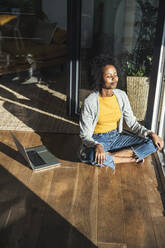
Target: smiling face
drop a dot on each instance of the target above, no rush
(110, 77)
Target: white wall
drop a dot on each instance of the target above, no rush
(56, 11)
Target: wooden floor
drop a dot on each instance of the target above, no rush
(76, 205)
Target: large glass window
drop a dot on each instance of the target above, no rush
(33, 56)
(125, 31)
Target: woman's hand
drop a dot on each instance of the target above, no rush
(100, 155)
(158, 141)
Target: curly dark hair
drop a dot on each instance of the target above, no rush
(96, 70)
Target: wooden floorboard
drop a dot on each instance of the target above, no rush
(84, 208)
(111, 245)
(159, 228)
(76, 205)
(56, 222)
(139, 230)
(153, 187)
(110, 207)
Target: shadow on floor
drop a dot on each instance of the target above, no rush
(39, 107)
(27, 221)
(63, 146)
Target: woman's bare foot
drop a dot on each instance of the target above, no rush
(124, 156)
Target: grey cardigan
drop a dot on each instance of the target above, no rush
(90, 112)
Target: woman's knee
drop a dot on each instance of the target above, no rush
(150, 142)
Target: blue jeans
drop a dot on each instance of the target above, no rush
(114, 141)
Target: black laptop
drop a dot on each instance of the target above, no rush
(38, 157)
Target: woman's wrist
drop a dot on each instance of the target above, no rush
(98, 145)
(151, 134)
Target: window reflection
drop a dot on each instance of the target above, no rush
(124, 30)
(33, 56)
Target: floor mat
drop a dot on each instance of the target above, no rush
(34, 106)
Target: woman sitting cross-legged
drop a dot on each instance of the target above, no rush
(101, 125)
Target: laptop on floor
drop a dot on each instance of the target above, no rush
(38, 158)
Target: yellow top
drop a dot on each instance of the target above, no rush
(109, 114)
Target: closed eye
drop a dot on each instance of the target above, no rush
(112, 76)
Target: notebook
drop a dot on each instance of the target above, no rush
(38, 157)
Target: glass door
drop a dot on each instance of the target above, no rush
(33, 59)
(123, 30)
